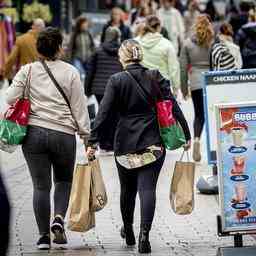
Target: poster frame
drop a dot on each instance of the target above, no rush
(205, 76)
(218, 107)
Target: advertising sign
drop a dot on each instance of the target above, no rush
(236, 155)
(225, 87)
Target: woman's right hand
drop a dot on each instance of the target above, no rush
(187, 146)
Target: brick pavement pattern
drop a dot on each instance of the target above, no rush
(193, 235)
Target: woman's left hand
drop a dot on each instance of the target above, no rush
(187, 146)
(90, 151)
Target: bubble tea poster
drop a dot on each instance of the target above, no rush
(237, 166)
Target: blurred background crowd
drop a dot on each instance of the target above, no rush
(180, 38)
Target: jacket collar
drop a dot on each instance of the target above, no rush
(134, 66)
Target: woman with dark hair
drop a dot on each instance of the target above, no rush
(58, 110)
(81, 45)
(194, 60)
(139, 153)
(103, 64)
(116, 20)
(225, 54)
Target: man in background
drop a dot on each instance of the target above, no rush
(24, 51)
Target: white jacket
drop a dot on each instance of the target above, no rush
(172, 20)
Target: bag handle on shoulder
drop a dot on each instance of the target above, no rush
(27, 85)
(140, 90)
(56, 83)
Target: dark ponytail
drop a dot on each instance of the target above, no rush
(152, 25)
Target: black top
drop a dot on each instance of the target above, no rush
(138, 127)
(102, 65)
(125, 31)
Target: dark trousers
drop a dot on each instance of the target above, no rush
(198, 102)
(46, 150)
(4, 220)
(144, 181)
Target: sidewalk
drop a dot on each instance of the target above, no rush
(193, 235)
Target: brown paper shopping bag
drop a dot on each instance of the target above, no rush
(81, 217)
(182, 187)
(99, 195)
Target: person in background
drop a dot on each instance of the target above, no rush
(211, 10)
(81, 45)
(193, 11)
(225, 54)
(158, 52)
(24, 50)
(103, 64)
(140, 20)
(136, 135)
(245, 38)
(5, 219)
(172, 20)
(50, 143)
(142, 3)
(194, 60)
(116, 20)
(178, 4)
(242, 17)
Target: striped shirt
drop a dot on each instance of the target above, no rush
(221, 58)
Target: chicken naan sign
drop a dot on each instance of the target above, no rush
(226, 87)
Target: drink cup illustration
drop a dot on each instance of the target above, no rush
(239, 165)
(241, 194)
(238, 136)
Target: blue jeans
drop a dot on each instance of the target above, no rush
(81, 66)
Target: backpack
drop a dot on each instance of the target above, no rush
(221, 58)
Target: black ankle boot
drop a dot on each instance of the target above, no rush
(144, 244)
(128, 234)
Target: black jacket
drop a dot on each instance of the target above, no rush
(125, 32)
(138, 126)
(102, 65)
(246, 38)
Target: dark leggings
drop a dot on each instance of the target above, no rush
(198, 102)
(4, 220)
(45, 150)
(144, 181)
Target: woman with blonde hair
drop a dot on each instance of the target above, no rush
(140, 158)
(194, 60)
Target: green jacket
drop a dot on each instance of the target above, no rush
(159, 53)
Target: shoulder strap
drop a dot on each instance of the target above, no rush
(139, 89)
(56, 83)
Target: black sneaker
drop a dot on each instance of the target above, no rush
(58, 230)
(44, 243)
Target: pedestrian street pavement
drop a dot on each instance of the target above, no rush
(192, 235)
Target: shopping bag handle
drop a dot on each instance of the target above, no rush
(91, 159)
(182, 155)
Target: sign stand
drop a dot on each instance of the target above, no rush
(236, 161)
(238, 249)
